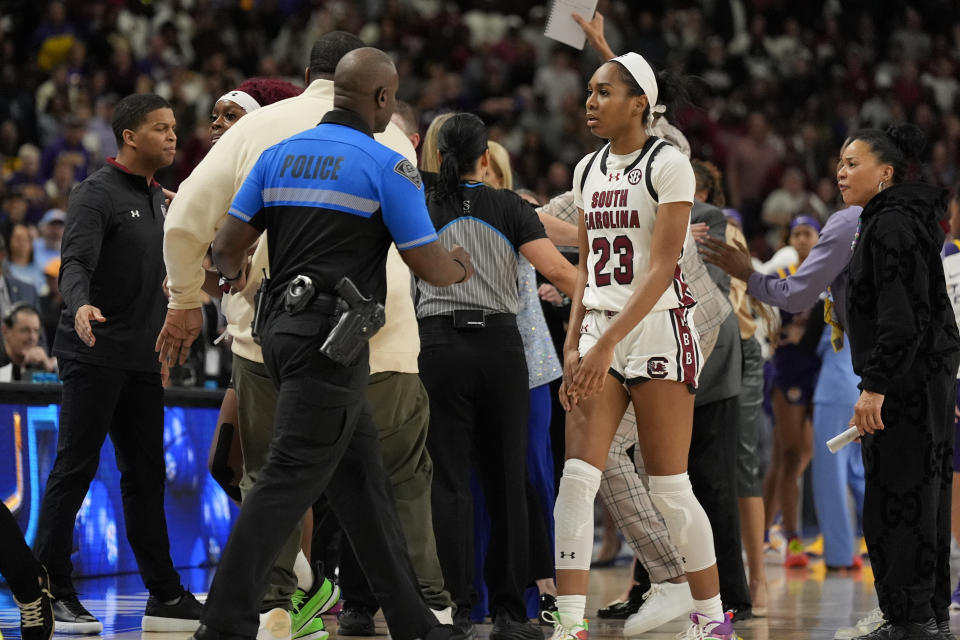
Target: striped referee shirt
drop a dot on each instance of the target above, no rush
(492, 225)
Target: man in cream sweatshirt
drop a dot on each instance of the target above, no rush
(396, 395)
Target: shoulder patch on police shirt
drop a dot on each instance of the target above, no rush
(408, 171)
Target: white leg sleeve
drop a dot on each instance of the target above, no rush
(573, 514)
(686, 520)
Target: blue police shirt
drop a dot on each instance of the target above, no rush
(331, 199)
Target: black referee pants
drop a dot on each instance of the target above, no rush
(479, 401)
(906, 506)
(128, 405)
(324, 442)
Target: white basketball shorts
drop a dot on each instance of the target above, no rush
(663, 346)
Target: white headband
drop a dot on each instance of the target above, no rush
(642, 72)
(243, 99)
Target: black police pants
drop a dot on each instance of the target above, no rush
(324, 442)
(713, 473)
(127, 405)
(906, 505)
(479, 400)
(17, 564)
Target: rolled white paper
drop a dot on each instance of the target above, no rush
(839, 442)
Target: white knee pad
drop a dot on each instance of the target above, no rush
(573, 514)
(685, 519)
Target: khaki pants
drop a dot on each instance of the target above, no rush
(401, 413)
(256, 405)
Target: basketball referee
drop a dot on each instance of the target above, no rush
(473, 365)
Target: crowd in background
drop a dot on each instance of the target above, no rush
(782, 85)
(779, 89)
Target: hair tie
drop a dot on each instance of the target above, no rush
(243, 99)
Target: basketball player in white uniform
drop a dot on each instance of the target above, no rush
(631, 338)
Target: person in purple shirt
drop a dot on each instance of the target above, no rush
(825, 269)
(70, 144)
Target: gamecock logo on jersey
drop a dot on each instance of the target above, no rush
(635, 176)
(657, 367)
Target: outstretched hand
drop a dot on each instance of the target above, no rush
(594, 32)
(735, 260)
(81, 323)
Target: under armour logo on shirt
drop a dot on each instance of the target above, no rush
(572, 554)
(135, 213)
(613, 176)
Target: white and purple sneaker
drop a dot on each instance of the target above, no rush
(703, 628)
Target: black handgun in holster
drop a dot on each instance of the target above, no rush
(259, 308)
(358, 322)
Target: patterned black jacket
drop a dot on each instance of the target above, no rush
(901, 323)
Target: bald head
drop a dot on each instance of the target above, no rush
(365, 82)
(363, 69)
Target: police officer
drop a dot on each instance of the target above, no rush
(397, 398)
(333, 200)
(110, 277)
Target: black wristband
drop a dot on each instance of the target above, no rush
(234, 278)
(464, 267)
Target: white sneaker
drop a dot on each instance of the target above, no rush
(864, 626)
(661, 603)
(275, 625)
(444, 616)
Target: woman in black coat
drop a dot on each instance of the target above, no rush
(906, 349)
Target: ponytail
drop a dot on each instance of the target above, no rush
(674, 91)
(448, 178)
(461, 141)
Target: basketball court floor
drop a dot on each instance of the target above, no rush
(805, 604)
